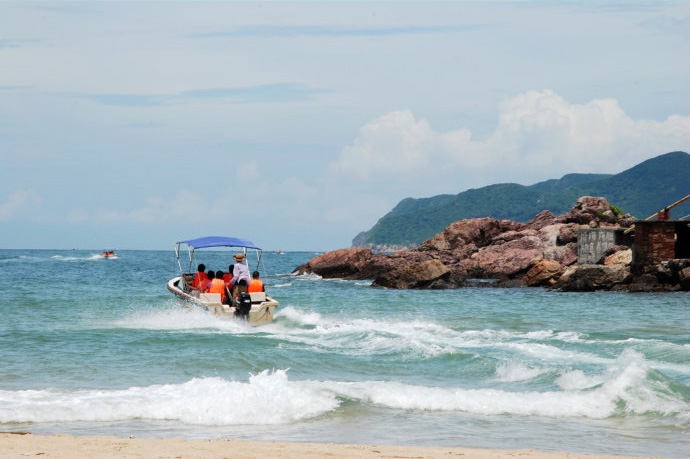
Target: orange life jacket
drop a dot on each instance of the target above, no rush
(199, 277)
(217, 286)
(227, 277)
(255, 285)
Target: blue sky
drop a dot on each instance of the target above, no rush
(299, 124)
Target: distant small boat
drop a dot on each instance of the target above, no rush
(109, 253)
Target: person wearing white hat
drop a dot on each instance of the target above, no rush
(240, 276)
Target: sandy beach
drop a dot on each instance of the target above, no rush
(22, 445)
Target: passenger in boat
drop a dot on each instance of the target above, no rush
(203, 286)
(199, 276)
(217, 285)
(240, 276)
(255, 285)
(228, 275)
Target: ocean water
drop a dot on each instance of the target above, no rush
(91, 346)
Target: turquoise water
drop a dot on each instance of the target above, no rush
(94, 346)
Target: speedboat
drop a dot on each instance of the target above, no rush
(256, 308)
(109, 253)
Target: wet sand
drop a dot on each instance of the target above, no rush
(17, 445)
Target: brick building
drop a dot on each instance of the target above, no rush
(658, 241)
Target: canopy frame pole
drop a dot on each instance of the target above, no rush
(177, 257)
(656, 214)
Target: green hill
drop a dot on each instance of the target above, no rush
(640, 191)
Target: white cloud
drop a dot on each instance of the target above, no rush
(247, 172)
(21, 202)
(539, 135)
(544, 130)
(185, 206)
(251, 199)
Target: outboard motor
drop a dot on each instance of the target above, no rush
(244, 304)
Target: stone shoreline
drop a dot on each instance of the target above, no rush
(539, 253)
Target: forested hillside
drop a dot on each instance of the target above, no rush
(640, 191)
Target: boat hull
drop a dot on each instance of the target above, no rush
(260, 313)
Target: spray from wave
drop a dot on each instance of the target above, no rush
(628, 388)
(267, 398)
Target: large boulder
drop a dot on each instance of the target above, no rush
(620, 257)
(554, 246)
(588, 278)
(380, 264)
(476, 231)
(595, 212)
(684, 278)
(542, 219)
(512, 235)
(567, 234)
(545, 272)
(343, 263)
(666, 276)
(614, 249)
(587, 209)
(416, 275)
(508, 259)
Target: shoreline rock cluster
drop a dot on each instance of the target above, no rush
(503, 253)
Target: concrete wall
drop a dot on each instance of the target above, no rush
(593, 242)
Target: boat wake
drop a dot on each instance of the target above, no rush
(514, 356)
(188, 319)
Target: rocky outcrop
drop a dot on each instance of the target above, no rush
(617, 258)
(541, 252)
(474, 232)
(544, 273)
(595, 212)
(417, 275)
(684, 278)
(588, 278)
(509, 258)
(344, 263)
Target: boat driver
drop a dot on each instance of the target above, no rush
(240, 276)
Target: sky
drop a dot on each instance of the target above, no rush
(297, 125)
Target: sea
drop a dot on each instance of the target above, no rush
(94, 346)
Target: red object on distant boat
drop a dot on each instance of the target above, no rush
(108, 253)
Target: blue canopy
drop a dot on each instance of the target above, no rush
(219, 241)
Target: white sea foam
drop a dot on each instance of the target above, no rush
(425, 339)
(300, 317)
(288, 284)
(531, 354)
(577, 380)
(181, 319)
(514, 371)
(267, 398)
(307, 276)
(364, 336)
(626, 388)
(626, 381)
(92, 257)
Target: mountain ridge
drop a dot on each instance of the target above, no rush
(640, 190)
